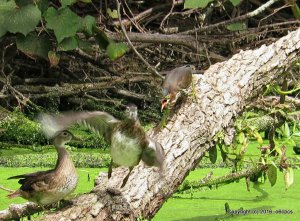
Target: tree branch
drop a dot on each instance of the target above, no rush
(221, 93)
(236, 19)
(229, 178)
(155, 72)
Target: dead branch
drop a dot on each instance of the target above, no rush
(144, 14)
(176, 39)
(155, 72)
(15, 211)
(222, 92)
(256, 12)
(226, 179)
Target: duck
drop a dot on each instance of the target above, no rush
(51, 186)
(129, 144)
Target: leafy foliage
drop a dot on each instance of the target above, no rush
(34, 45)
(116, 50)
(63, 22)
(15, 19)
(235, 2)
(21, 130)
(91, 160)
(237, 26)
(24, 17)
(196, 3)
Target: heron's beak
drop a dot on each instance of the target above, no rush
(163, 104)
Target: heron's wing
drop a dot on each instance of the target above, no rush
(100, 122)
(185, 76)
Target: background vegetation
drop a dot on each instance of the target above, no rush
(60, 55)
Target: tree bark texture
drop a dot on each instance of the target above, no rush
(222, 93)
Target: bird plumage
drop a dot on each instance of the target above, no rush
(176, 80)
(46, 187)
(127, 138)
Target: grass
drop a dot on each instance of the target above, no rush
(208, 205)
(201, 205)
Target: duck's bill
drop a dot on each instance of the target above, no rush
(76, 138)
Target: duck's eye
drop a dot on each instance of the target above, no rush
(65, 133)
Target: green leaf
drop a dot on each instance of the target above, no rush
(258, 137)
(33, 45)
(43, 5)
(272, 174)
(286, 132)
(65, 3)
(116, 50)
(22, 3)
(88, 24)
(68, 44)
(7, 5)
(112, 13)
(288, 177)
(235, 2)
(18, 19)
(237, 26)
(241, 137)
(213, 153)
(63, 22)
(196, 3)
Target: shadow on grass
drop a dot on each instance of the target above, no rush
(229, 216)
(264, 194)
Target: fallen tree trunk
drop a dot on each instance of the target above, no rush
(222, 92)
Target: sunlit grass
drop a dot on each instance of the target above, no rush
(208, 205)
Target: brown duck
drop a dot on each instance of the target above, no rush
(46, 187)
(129, 142)
(175, 81)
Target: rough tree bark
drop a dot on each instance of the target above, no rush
(222, 93)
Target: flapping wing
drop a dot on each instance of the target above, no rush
(154, 155)
(100, 122)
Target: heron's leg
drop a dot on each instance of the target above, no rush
(165, 115)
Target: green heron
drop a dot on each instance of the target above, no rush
(174, 83)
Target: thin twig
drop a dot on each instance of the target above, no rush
(153, 71)
(236, 19)
(166, 17)
(6, 189)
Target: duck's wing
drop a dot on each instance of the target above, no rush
(38, 181)
(153, 154)
(100, 122)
